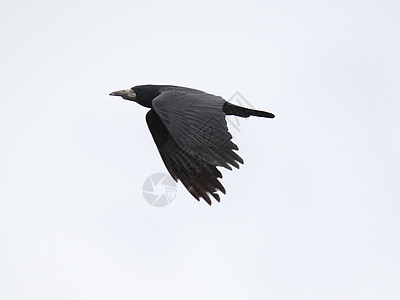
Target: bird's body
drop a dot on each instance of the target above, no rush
(191, 134)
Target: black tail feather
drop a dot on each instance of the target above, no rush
(232, 109)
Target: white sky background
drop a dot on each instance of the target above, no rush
(313, 213)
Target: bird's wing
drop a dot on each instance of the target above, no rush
(193, 139)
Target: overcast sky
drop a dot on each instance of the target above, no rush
(312, 214)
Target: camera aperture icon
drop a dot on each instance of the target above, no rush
(159, 189)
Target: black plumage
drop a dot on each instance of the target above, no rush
(191, 134)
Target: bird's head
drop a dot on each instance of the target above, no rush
(142, 94)
(128, 94)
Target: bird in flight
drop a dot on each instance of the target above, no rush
(190, 131)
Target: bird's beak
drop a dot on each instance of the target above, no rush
(128, 94)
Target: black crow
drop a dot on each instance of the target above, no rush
(191, 134)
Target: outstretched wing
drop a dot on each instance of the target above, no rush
(192, 137)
